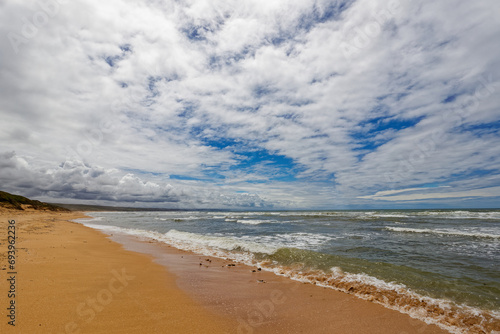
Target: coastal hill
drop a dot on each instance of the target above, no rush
(16, 202)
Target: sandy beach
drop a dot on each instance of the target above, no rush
(72, 279)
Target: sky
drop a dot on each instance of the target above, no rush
(251, 104)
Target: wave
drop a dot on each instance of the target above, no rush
(192, 241)
(178, 219)
(300, 240)
(363, 215)
(390, 216)
(445, 214)
(461, 214)
(458, 319)
(86, 220)
(209, 243)
(255, 221)
(444, 232)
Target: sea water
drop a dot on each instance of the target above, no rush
(440, 266)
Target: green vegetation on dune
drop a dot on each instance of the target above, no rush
(11, 201)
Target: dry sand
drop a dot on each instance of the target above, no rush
(72, 279)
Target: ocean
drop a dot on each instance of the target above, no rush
(440, 266)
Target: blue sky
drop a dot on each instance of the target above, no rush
(251, 104)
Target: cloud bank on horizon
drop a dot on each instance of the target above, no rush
(251, 104)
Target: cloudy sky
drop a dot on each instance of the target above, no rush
(251, 103)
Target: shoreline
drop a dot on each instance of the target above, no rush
(299, 265)
(70, 278)
(263, 302)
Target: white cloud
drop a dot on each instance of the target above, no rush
(270, 76)
(75, 181)
(380, 194)
(484, 192)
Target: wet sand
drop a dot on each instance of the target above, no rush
(72, 279)
(262, 302)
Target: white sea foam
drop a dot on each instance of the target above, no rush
(191, 241)
(104, 228)
(209, 243)
(178, 219)
(304, 240)
(309, 241)
(255, 221)
(305, 213)
(444, 232)
(388, 294)
(186, 218)
(358, 283)
(389, 216)
(461, 214)
(215, 242)
(85, 220)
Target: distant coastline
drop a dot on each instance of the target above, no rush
(89, 207)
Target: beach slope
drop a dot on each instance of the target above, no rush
(69, 278)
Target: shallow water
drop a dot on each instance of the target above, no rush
(442, 266)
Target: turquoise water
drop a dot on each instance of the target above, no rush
(448, 258)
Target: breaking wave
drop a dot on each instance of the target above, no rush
(444, 232)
